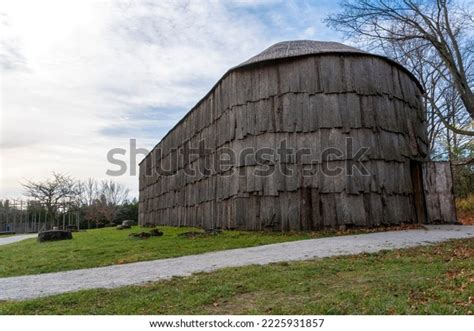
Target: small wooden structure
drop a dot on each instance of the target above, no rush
(313, 96)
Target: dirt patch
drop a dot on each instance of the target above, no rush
(466, 218)
(350, 230)
(240, 303)
(200, 234)
(145, 235)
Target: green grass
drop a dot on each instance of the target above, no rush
(109, 246)
(425, 280)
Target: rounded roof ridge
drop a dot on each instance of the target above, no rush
(293, 48)
(300, 48)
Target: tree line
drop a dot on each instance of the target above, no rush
(99, 203)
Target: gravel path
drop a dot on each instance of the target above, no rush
(25, 287)
(16, 238)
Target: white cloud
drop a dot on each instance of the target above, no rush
(81, 77)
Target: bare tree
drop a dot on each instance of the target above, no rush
(90, 194)
(115, 193)
(101, 201)
(444, 110)
(57, 192)
(456, 146)
(89, 191)
(112, 195)
(442, 25)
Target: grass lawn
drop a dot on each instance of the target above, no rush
(109, 246)
(425, 280)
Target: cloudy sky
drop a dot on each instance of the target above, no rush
(79, 78)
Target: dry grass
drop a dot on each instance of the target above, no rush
(465, 209)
